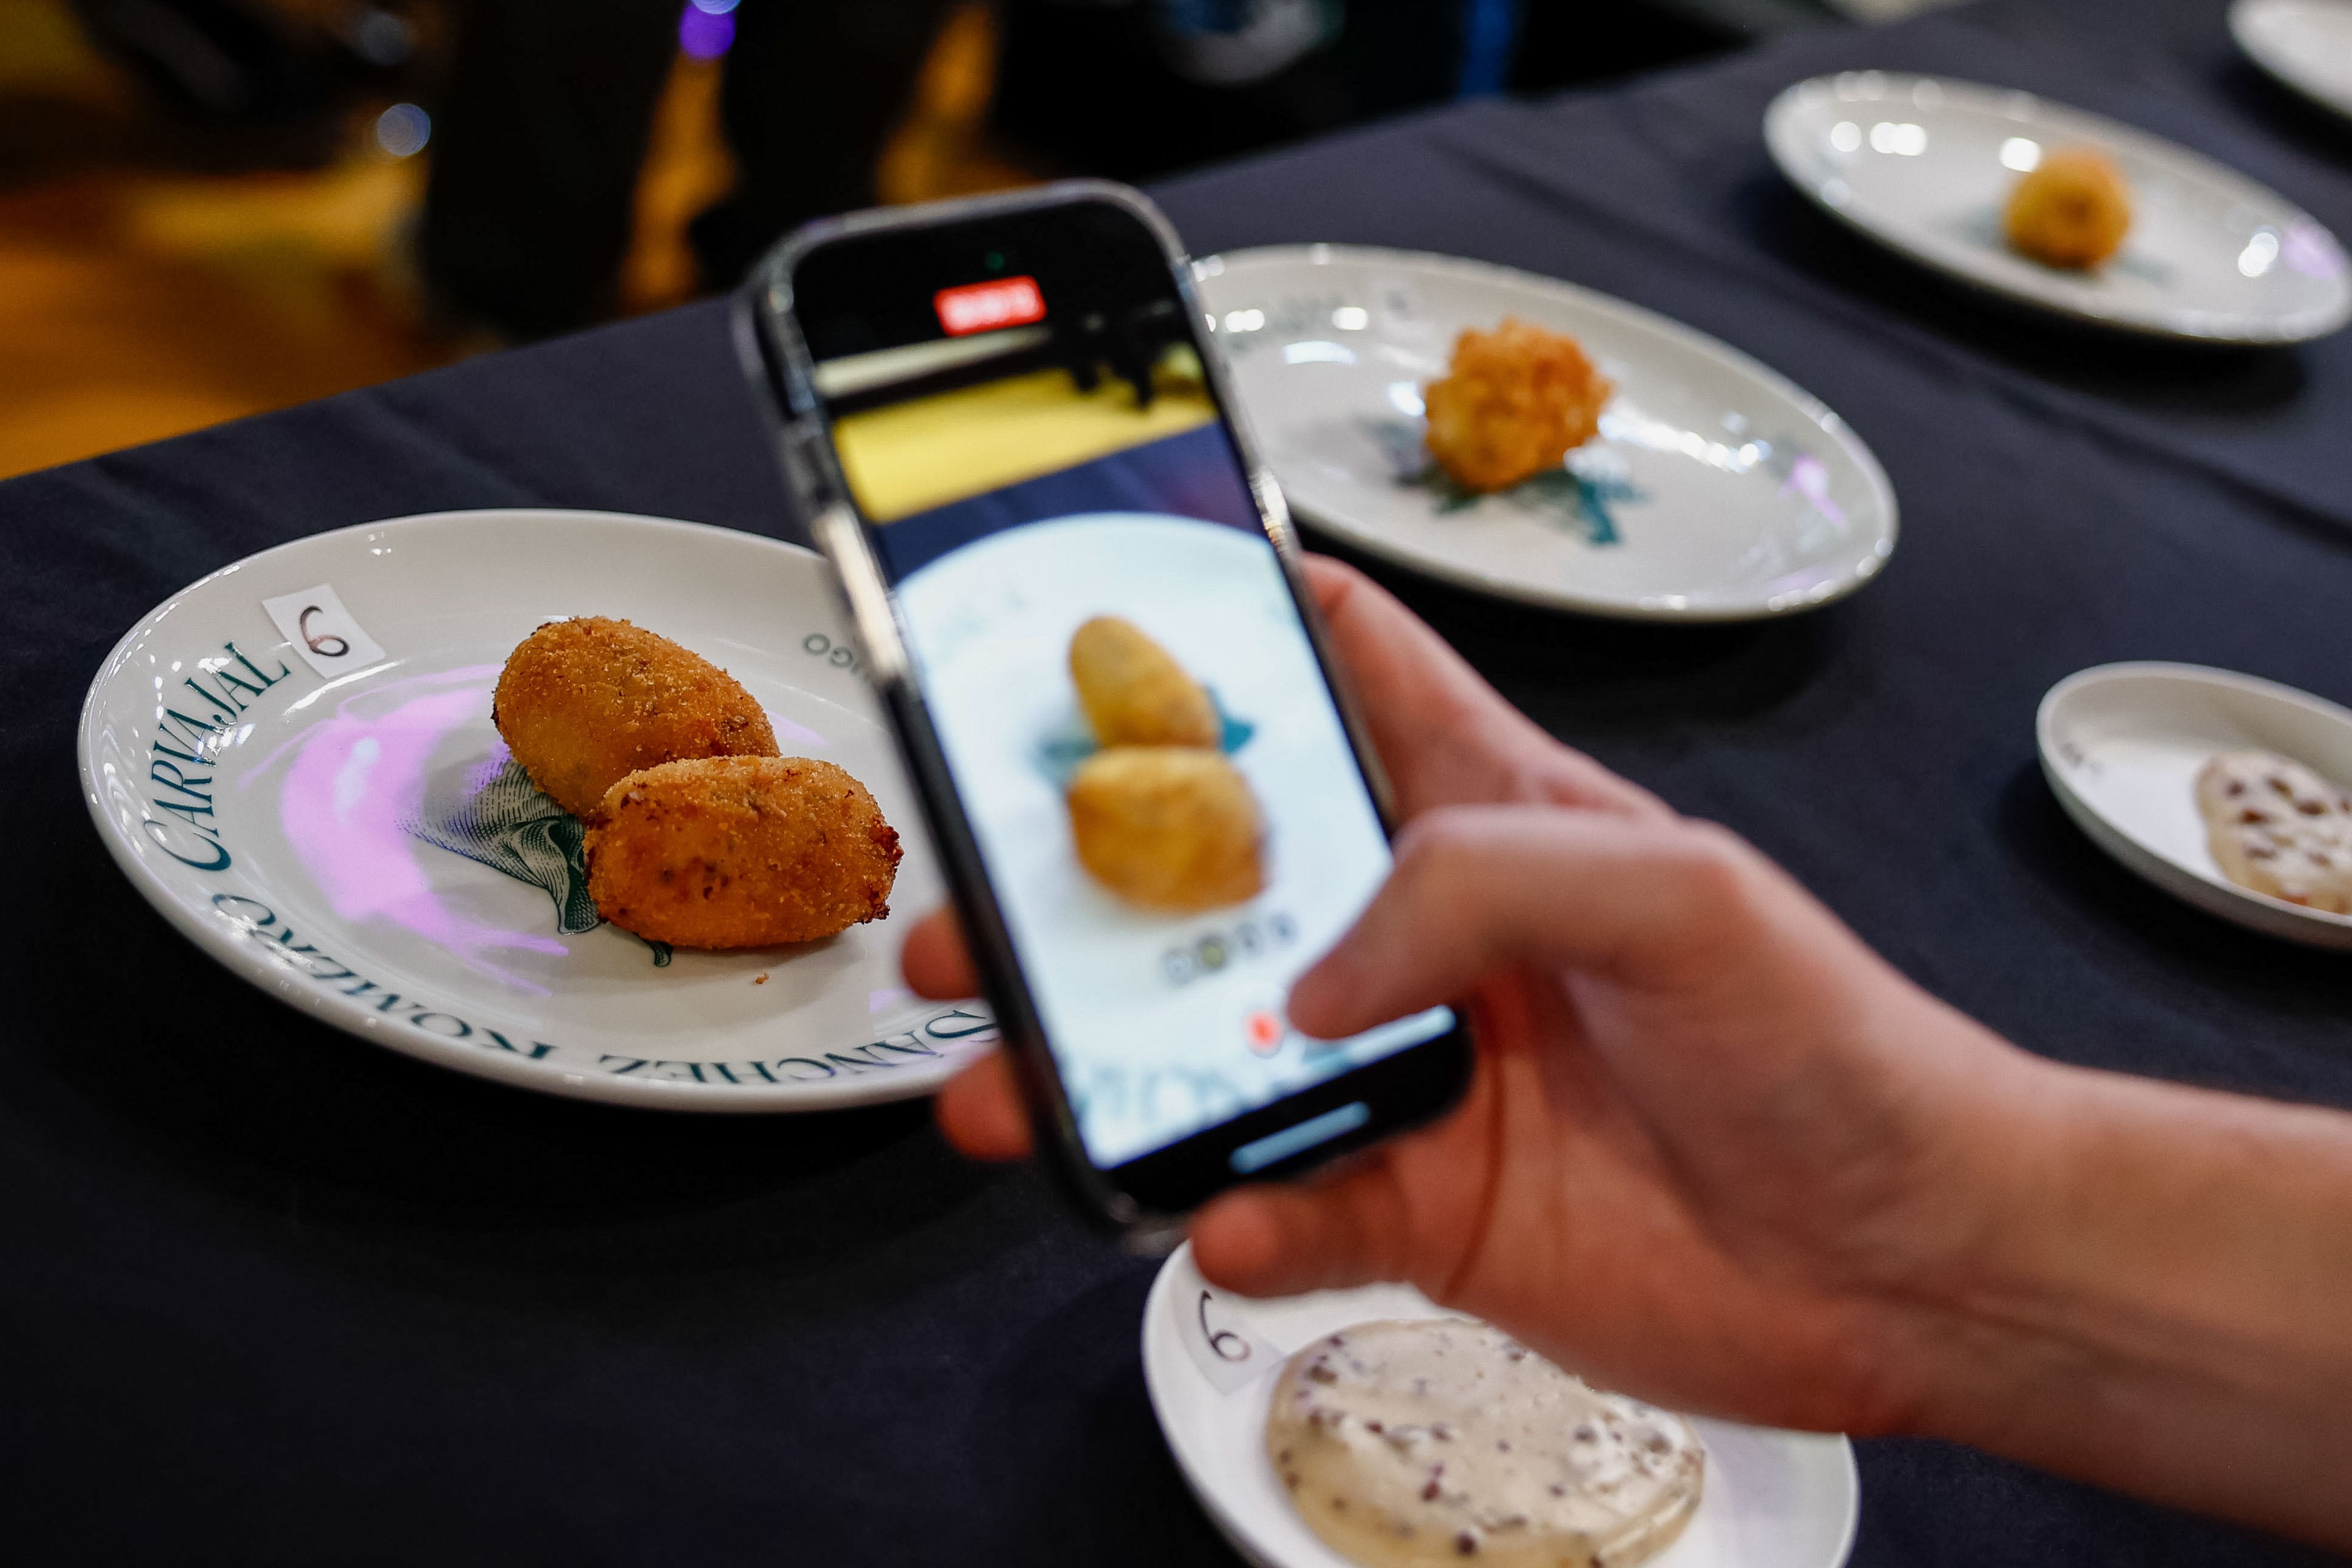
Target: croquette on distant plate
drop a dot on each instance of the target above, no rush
(1514, 403)
(2072, 209)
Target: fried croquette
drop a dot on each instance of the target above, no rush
(1171, 828)
(583, 703)
(2071, 210)
(741, 852)
(1133, 693)
(1514, 403)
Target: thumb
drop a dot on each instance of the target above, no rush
(1351, 1227)
(1477, 887)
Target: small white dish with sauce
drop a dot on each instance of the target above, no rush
(2122, 746)
(1773, 1498)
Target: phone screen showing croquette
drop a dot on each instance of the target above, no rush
(1156, 775)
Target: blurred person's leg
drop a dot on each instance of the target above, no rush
(812, 90)
(536, 157)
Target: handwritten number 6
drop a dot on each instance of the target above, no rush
(1229, 1345)
(329, 646)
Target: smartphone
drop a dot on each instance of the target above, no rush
(1005, 421)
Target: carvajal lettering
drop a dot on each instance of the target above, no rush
(284, 669)
(215, 859)
(157, 767)
(228, 706)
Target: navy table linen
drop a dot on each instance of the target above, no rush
(269, 1294)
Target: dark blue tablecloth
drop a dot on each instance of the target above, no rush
(270, 1295)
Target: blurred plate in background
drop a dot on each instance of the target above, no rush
(1926, 165)
(1715, 490)
(2305, 44)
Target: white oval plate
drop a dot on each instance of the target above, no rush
(2305, 44)
(2122, 745)
(1926, 165)
(1773, 1498)
(1716, 491)
(273, 810)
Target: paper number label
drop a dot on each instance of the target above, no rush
(315, 621)
(1228, 1354)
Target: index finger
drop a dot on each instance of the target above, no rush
(1448, 738)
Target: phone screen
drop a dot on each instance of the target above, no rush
(1155, 772)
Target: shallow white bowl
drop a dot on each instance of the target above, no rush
(2305, 43)
(1729, 494)
(288, 849)
(1773, 1498)
(1925, 165)
(2122, 743)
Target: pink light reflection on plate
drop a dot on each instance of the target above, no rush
(799, 733)
(2312, 250)
(354, 782)
(1809, 478)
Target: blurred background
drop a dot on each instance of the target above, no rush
(210, 208)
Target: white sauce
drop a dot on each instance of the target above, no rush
(1404, 1443)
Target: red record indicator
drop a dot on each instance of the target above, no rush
(987, 306)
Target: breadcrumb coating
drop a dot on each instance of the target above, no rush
(741, 852)
(1514, 401)
(583, 704)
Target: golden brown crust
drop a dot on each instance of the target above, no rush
(1168, 828)
(583, 703)
(1134, 692)
(1514, 403)
(2071, 210)
(741, 852)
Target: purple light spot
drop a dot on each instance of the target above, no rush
(787, 730)
(2312, 250)
(350, 788)
(875, 1001)
(1808, 477)
(703, 36)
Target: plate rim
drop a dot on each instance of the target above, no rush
(1849, 1523)
(235, 956)
(2278, 67)
(2309, 326)
(1824, 418)
(2241, 906)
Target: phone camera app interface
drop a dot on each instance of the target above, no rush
(1159, 782)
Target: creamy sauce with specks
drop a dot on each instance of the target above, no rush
(1407, 1443)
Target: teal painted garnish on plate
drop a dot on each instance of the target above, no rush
(1582, 493)
(502, 819)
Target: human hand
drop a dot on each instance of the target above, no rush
(1715, 1152)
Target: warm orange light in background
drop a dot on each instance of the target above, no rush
(136, 304)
